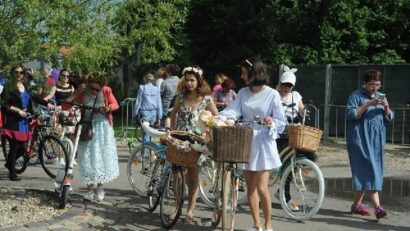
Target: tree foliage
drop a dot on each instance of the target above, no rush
(36, 29)
(300, 31)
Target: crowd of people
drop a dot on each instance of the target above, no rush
(174, 98)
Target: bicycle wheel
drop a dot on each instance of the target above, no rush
(53, 155)
(172, 197)
(301, 194)
(65, 191)
(68, 145)
(229, 201)
(217, 196)
(155, 184)
(21, 162)
(207, 176)
(139, 168)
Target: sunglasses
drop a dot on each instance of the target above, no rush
(287, 84)
(94, 89)
(19, 72)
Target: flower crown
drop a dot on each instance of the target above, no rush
(192, 69)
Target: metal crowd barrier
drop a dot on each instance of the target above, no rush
(127, 109)
(335, 123)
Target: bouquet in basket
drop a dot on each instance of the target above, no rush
(207, 122)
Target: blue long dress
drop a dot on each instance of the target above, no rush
(366, 137)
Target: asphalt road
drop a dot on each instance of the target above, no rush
(123, 210)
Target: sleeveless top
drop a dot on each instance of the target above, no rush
(188, 117)
(63, 93)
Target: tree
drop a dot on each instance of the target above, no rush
(151, 33)
(36, 29)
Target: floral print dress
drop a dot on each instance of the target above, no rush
(188, 117)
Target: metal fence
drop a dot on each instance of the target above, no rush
(127, 109)
(332, 119)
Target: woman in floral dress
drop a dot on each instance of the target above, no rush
(195, 97)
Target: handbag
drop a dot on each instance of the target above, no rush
(87, 126)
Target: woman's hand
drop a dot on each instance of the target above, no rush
(22, 113)
(268, 121)
(104, 110)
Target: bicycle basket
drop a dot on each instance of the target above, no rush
(179, 151)
(232, 144)
(304, 138)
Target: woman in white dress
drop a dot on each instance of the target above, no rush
(258, 99)
(97, 158)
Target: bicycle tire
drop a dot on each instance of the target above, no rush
(139, 170)
(172, 197)
(217, 191)
(229, 202)
(207, 175)
(21, 162)
(65, 194)
(154, 185)
(52, 148)
(306, 194)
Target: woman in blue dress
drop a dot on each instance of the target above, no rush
(367, 112)
(258, 99)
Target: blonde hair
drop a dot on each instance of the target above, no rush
(220, 78)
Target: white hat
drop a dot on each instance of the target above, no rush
(288, 75)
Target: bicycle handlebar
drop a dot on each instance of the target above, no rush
(152, 132)
(78, 105)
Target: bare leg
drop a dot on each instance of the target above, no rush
(192, 182)
(253, 196)
(90, 187)
(358, 198)
(264, 196)
(374, 198)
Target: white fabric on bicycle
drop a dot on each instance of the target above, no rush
(264, 153)
(152, 132)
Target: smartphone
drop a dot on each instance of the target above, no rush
(382, 96)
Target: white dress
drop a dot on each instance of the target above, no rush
(97, 158)
(264, 153)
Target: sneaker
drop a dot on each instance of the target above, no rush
(89, 196)
(380, 212)
(100, 194)
(253, 228)
(74, 162)
(360, 209)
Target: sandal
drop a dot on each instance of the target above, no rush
(380, 212)
(360, 209)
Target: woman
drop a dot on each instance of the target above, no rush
(367, 112)
(47, 85)
(97, 158)
(16, 105)
(148, 104)
(64, 89)
(225, 95)
(219, 79)
(259, 100)
(194, 98)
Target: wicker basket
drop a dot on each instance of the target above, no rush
(232, 144)
(182, 157)
(304, 138)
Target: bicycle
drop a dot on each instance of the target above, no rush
(226, 186)
(50, 147)
(140, 165)
(207, 178)
(165, 182)
(67, 176)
